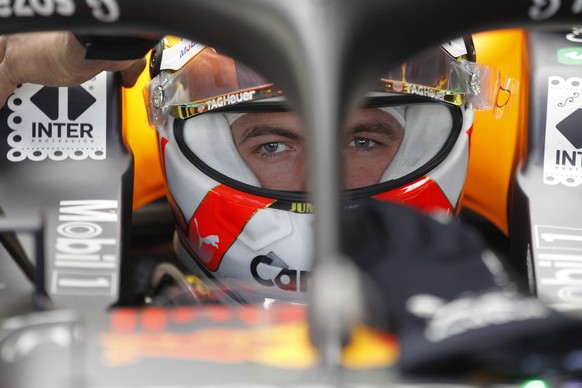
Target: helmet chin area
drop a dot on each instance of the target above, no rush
(270, 259)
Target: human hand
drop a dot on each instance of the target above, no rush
(54, 59)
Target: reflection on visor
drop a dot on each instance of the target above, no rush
(268, 150)
(207, 81)
(438, 75)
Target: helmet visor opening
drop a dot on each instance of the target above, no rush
(268, 150)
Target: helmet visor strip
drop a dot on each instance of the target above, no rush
(209, 81)
(437, 74)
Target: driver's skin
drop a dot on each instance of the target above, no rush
(273, 146)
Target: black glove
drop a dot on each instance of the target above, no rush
(449, 300)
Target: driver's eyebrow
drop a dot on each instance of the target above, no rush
(263, 129)
(385, 129)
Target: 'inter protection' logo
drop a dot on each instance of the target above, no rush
(58, 123)
(563, 149)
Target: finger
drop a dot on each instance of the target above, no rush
(130, 75)
(6, 90)
(6, 87)
(2, 47)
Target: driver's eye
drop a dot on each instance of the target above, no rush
(362, 143)
(271, 147)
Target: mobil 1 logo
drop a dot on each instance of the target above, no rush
(563, 150)
(86, 248)
(58, 123)
(558, 266)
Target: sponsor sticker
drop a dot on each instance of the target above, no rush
(545, 9)
(270, 270)
(177, 56)
(472, 311)
(277, 337)
(558, 266)
(563, 150)
(103, 10)
(570, 56)
(58, 123)
(86, 258)
(455, 47)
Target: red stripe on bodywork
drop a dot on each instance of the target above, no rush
(219, 220)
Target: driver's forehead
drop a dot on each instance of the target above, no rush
(268, 119)
(372, 115)
(291, 120)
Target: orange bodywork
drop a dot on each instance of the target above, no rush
(141, 138)
(496, 143)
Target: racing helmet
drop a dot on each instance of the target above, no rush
(232, 157)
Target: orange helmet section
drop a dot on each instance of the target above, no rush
(142, 140)
(495, 142)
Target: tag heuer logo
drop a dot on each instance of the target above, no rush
(58, 123)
